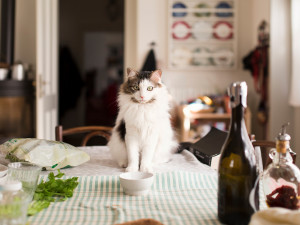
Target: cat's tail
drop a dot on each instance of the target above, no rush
(174, 146)
(118, 150)
(164, 151)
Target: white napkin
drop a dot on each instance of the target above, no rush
(276, 216)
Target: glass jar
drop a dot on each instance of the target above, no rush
(281, 179)
(13, 203)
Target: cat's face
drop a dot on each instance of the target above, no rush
(142, 86)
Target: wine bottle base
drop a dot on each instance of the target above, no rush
(235, 219)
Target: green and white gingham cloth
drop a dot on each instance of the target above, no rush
(175, 198)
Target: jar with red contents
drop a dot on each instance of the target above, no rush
(281, 179)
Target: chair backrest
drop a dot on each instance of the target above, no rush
(265, 147)
(87, 131)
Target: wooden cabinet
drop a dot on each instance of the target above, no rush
(17, 108)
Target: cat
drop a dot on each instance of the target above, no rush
(142, 135)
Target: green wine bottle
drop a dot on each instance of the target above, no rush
(238, 172)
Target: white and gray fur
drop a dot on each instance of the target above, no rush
(143, 134)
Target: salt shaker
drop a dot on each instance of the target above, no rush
(13, 203)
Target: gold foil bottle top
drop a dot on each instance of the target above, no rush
(283, 140)
(237, 92)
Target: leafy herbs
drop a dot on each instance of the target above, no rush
(12, 158)
(37, 206)
(54, 189)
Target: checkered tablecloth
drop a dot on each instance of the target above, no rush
(175, 198)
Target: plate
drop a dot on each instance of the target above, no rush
(224, 5)
(179, 5)
(202, 14)
(223, 57)
(181, 30)
(181, 56)
(222, 30)
(202, 30)
(202, 57)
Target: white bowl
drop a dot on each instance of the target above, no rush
(3, 73)
(3, 170)
(136, 183)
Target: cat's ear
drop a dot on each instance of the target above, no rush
(156, 76)
(131, 73)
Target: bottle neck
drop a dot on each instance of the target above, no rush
(282, 158)
(237, 118)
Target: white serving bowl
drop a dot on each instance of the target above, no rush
(3, 170)
(3, 73)
(136, 183)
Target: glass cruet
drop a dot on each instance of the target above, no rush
(281, 179)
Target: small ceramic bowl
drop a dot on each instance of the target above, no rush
(136, 183)
(3, 73)
(3, 170)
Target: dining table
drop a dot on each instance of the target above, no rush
(184, 192)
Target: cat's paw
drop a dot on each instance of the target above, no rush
(147, 169)
(132, 169)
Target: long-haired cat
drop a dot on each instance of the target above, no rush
(142, 134)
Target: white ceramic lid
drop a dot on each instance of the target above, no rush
(10, 185)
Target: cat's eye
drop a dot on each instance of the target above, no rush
(136, 88)
(150, 88)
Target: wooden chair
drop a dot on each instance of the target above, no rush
(88, 132)
(265, 147)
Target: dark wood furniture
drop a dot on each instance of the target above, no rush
(17, 103)
(88, 132)
(186, 117)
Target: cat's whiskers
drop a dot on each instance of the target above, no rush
(134, 100)
(142, 101)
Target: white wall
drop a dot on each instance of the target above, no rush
(280, 66)
(25, 32)
(296, 139)
(280, 70)
(130, 34)
(152, 25)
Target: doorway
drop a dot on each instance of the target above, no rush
(90, 61)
